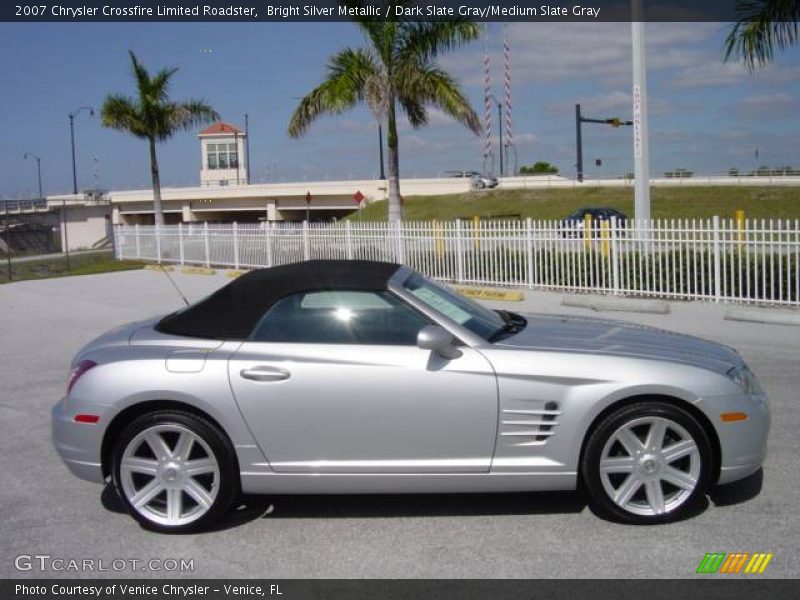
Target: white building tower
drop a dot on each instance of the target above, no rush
(222, 149)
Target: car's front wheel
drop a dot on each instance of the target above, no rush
(175, 471)
(649, 462)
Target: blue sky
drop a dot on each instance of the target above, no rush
(705, 115)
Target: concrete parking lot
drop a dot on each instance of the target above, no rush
(45, 510)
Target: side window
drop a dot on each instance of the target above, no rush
(340, 317)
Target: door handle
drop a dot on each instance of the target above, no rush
(265, 373)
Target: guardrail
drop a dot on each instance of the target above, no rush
(21, 206)
(753, 261)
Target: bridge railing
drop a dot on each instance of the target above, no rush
(20, 206)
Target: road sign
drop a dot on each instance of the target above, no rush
(358, 197)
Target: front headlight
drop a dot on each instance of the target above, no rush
(744, 378)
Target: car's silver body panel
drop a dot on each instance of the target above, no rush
(507, 416)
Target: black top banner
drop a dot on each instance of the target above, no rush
(380, 10)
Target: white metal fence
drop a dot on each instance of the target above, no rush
(754, 261)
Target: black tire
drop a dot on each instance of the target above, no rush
(226, 487)
(684, 501)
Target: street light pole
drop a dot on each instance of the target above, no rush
(38, 169)
(72, 116)
(72, 143)
(247, 148)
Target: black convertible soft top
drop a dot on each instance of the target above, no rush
(233, 311)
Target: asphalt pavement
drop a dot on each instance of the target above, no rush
(44, 510)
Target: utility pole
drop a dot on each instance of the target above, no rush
(641, 150)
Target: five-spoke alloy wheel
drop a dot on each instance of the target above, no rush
(175, 471)
(647, 463)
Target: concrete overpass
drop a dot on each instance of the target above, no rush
(91, 215)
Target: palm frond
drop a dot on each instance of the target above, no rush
(415, 112)
(424, 40)
(159, 84)
(428, 84)
(140, 73)
(122, 113)
(762, 27)
(184, 115)
(345, 86)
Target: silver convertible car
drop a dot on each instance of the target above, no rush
(356, 377)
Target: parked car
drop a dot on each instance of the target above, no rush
(482, 181)
(573, 224)
(331, 377)
(478, 181)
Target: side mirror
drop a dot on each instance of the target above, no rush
(439, 340)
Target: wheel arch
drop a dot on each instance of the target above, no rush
(702, 419)
(130, 413)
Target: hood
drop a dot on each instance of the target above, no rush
(615, 338)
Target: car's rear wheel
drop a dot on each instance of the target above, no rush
(646, 463)
(175, 471)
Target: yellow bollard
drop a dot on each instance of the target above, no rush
(438, 236)
(587, 231)
(605, 243)
(476, 224)
(740, 218)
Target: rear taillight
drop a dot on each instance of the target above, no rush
(79, 370)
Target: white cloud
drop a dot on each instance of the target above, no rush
(526, 138)
(772, 104)
(547, 52)
(713, 73)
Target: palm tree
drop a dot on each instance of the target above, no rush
(152, 116)
(762, 26)
(397, 70)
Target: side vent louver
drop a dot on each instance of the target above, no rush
(534, 427)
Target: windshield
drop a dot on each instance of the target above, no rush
(478, 319)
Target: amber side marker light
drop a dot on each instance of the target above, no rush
(729, 417)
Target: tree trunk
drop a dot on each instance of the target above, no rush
(158, 210)
(395, 207)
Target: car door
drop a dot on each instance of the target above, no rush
(333, 382)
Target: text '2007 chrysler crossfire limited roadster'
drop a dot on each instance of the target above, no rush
(331, 377)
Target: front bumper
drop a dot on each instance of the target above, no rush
(743, 444)
(78, 444)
